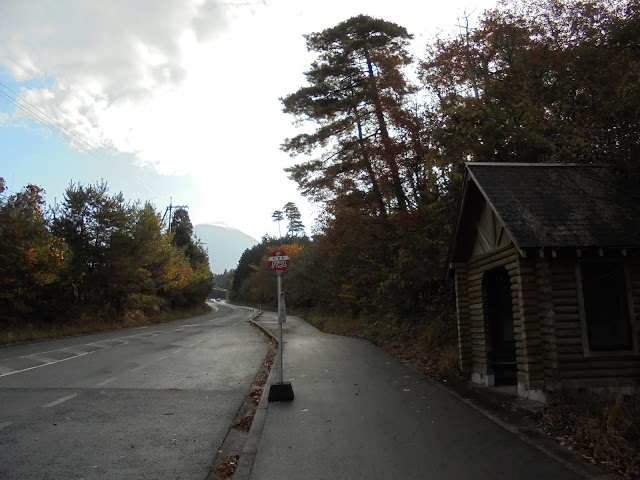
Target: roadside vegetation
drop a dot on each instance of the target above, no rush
(383, 153)
(93, 262)
(603, 427)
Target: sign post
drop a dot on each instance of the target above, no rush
(281, 391)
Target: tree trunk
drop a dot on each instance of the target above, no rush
(366, 160)
(389, 154)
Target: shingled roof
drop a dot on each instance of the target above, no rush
(550, 205)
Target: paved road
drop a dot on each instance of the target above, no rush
(359, 414)
(148, 403)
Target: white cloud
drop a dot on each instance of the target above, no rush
(188, 87)
(106, 58)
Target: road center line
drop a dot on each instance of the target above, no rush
(59, 401)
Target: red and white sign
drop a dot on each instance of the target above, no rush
(278, 261)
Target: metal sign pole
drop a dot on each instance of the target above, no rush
(280, 339)
(280, 391)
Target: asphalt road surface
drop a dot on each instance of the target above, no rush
(149, 403)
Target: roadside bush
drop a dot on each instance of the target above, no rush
(604, 427)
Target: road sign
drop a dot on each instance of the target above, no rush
(278, 261)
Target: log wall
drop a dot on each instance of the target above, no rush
(550, 346)
(574, 367)
(524, 278)
(464, 321)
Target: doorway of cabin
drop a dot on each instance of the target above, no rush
(498, 310)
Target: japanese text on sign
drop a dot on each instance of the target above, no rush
(278, 261)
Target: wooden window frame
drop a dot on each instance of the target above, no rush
(635, 350)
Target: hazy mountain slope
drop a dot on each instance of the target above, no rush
(225, 245)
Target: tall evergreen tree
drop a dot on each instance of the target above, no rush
(278, 216)
(184, 237)
(95, 225)
(356, 87)
(294, 226)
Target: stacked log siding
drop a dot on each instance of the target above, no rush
(464, 321)
(577, 367)
(542, 224)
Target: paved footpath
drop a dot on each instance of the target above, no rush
(358, 414)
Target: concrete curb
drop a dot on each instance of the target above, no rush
(250, 449)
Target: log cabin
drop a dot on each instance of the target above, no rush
(546, 262)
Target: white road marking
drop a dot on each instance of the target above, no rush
(41, 356)
(72, 350)
(12, 372)
(102, 384)
(6, 371)
(59, 401)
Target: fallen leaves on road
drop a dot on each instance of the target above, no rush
(226, 467)
(243, 424)
(262, 379)
(253, 397)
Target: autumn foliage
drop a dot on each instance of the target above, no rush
(93, 255)
(383, 149)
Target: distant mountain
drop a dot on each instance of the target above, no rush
(225, 245)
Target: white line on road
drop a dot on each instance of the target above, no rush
(11, 372)
(38, 358)
(102, 384)
(5, 371)
(59, 401)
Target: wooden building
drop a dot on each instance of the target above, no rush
(546, 259)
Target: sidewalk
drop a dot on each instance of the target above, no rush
(358, 414)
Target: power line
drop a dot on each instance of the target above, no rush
(38, 116)
(45, 119)
(40, 120)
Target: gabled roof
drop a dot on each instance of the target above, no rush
(549, 205)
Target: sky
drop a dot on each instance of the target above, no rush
(173, 101)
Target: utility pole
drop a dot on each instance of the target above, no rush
(170, 209)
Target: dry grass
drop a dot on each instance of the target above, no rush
(340, 325)
(430, 345)
(604, 428)
(91, 323)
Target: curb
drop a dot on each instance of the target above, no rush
(250, 449)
